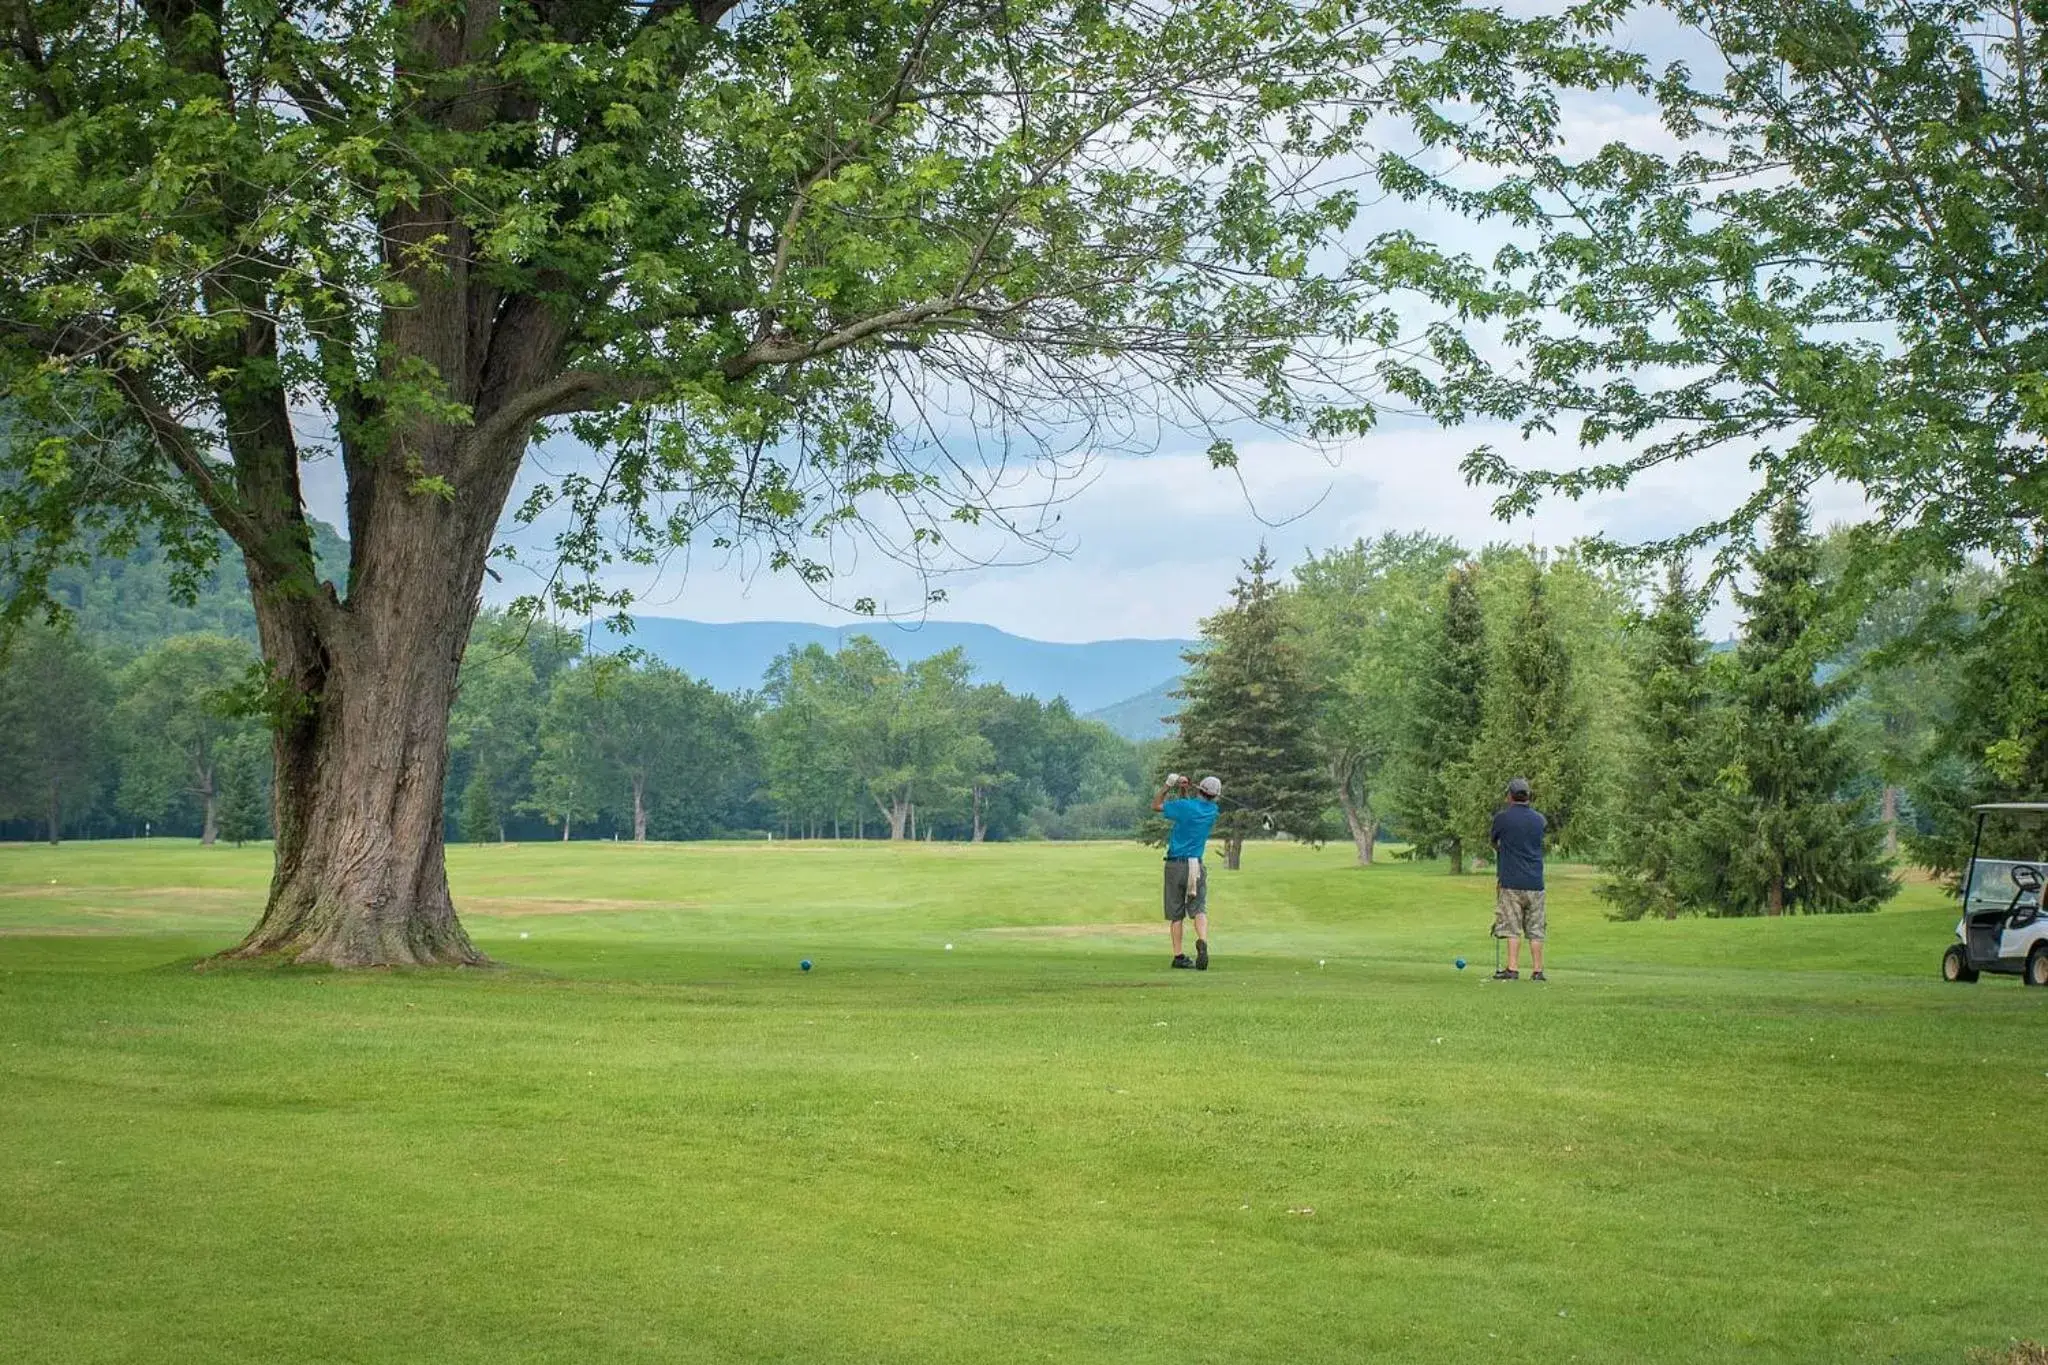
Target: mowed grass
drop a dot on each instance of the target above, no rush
(650, 1137)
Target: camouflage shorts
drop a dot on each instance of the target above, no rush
(1518, 914)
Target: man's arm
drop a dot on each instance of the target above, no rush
(1172, 780)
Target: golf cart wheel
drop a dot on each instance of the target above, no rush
(1956, 967)
(2037, 966)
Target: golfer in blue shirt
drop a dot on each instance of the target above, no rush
(1187, 888)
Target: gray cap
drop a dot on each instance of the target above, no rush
(1211, 786)
(1518, 786)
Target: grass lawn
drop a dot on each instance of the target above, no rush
(650, 1137)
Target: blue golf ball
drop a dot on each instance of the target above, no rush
(805, 964)
(1461, 964)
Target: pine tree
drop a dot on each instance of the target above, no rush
(240, 800)
(1437, 761)
(1793, 839)
(479, 809)
(1250, 717)
(1658, 861)
(1535, 723)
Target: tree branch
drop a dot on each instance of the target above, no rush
(570, 391)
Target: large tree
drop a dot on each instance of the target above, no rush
(764, 256)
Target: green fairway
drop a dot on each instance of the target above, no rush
(650, 1137)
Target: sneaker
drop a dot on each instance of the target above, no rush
(1538, 976)
(1507, 974)
(1201, 954)
(1182, 960)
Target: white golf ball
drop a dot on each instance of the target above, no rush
(524, 934)
(1322, 962)
(949, 947)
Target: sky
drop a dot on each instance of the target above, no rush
(1153, 543)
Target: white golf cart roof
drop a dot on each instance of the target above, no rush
(2036, 807)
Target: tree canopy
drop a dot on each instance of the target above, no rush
(1832, 265)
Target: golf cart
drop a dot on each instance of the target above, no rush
(2004, 927)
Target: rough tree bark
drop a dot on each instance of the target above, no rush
(1233, 852)
(980, 828)
(54, 814)
(1891, 821)
(639, 809)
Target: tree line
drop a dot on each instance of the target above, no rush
(1385, 689)
(550, 741)
(1393, 686)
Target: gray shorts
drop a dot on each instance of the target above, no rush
(1178, 906)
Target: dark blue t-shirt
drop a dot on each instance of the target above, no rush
(1518, 842)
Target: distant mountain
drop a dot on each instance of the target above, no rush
(125, 603)
(1089, 676)
(1142, 716)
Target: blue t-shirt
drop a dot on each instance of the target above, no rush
(1191, 819)
(1518, 845)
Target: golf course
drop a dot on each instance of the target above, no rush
(648, 1135)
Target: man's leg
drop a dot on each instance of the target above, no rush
(1514, 953)
(1202, 939)
(1536, 953)
(1176, 907)
(1537, 929)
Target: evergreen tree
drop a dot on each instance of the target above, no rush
(479, 810)
(1535, 720)
(1792, 837)
(240, 787)
(1448, 710)
(1250, 717)
(1658, 861)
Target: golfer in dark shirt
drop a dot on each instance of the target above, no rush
(1518, 903)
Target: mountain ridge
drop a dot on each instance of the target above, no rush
(1091, 676)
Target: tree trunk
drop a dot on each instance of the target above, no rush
(1457, 857)
(913, 820)
(1233, 852)
(501, 831)
(1364, 828)
(209, 825)
(360, 878)
(1777, 897)
(898, 812)
(639, 809)
(980, 828)
(1891, 821)
(565, 829)
(362, 758)
(55, 813)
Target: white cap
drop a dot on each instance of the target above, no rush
(1211, 786)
